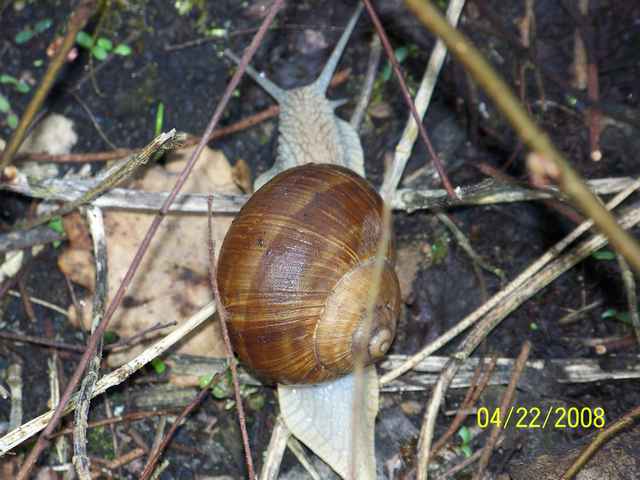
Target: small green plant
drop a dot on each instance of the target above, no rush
(101, 47)
(614, 314)
(56, 225)
(604, 255)
(159, 119)
(19, 85)
(465, 436)
(401, 54)
(10, 117)
(159, 366)
(27, 33)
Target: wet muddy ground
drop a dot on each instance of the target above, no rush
(176, 59)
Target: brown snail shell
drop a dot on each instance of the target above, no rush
(295, 273)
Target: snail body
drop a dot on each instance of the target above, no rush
(296, 268)
(309, 131)
(299, 280)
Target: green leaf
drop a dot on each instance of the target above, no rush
(24, 36)
(110, 337)
(465, 435)
(43, 25)
(38, 63)
(533, 326)
(23, 87)
(609, 313)
(5, 106)
(204, 380)
(99, 52)
(55, 224)
(122, 49)
(104, 43)
(159, 119)
(5, 78)
(12, 121)
(401, 54)
(158, 365)
(84, 40)
(604, 255)
(466, 450)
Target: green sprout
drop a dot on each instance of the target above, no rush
(614, 314)
(26, 34)
(19, 85)
(159, 366)
(465, 436)
(159, 119)
(101, 47)
(401, 54)
(5, 108)
(55, 224)
(604, 255)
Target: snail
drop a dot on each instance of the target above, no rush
(295, 273)
(295, 270)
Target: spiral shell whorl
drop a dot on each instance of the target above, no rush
(282, 262)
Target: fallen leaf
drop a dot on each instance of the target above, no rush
(172, 280)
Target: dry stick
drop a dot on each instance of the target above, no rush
(485, 192)
(423, 97)
(627, 420)
(632, 296)
(465, 244)
(474, 392)
(16, 337)
(157, 446)
(298, 450)
(417, 118)
(109, 178)
(493, 318)
(375, 52)
(126, 418)
(505, 404)
(19, 435)
(93, 340)
(77, 21)
(80, 457)
(222, 316)
(505, 292)
(567, 178)
(275, 450)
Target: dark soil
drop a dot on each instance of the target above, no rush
(123, 94)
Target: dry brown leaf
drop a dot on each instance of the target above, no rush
(172, 281)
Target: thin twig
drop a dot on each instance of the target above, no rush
(507, 401)
(520, 280)
(25, 431)
(77, 21)
(375, 52)
(494, 317)
(275, 450)
(632, 296)
(465, 244)
(559, 168)
(417, 117)
(474, 392)
(486, 192)
(222, 316)
(80, 457)
(109, 179)
(627, 420)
